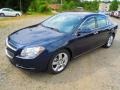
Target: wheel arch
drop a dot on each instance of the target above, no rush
(69, 50)
(112, 33)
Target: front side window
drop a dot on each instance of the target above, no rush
(64, 23)
(89, 24)
(6, 9)
(101, 21)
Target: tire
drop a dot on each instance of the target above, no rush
(59, 62)
(17, 15)
(109, 41)
(2, 14)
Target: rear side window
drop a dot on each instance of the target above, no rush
(11, 10)
(101, 21)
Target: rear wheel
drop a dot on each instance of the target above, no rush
(59, 61)
(17, 15)
(109, 41)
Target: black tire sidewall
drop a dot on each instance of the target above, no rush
(17, 15)
(50, 69)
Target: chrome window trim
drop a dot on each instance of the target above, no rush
(83, 23)
(91, 29)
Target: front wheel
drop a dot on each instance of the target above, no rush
(109, 41)
(2, 14)
(59, 61)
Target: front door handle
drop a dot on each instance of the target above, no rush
(96, 32)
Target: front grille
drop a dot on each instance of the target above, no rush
(10, 46)
(10, 50)
(9, 54)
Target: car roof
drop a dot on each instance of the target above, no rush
(82, 14)
(5, 8)
(79, 13)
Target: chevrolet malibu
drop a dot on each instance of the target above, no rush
(51, 44)
(9, 12)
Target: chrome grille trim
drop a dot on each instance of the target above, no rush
(7, 44)
(24, 67)
(8, 54)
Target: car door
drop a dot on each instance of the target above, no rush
(87, 37)
(5, 11)
(102, 29)
(12, 12)
(9, 12)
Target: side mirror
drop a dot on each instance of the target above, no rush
(78, 33)
(85, 30)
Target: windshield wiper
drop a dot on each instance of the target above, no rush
(50, 28)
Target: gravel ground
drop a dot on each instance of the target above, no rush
(97, 70)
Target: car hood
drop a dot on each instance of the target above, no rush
(35, 34)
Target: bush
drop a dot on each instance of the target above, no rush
(87, 5)
(91, 6)
(72, 5)
(114, 5)
(44, 8)
(39, 6)
(69, 5)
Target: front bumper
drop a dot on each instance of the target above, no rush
(40, 63)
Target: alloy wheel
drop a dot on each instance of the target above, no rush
(59, 62)
(110, 41)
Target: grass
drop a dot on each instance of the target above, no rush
(28, 15)
(5, 21)
(2, 26)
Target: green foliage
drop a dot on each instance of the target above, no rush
(15, 4)
(44, 8)
(39, 6)
(42, 5)
(89, 6)
(114, 5)
(69, 5)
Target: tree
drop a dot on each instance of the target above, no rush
(90, 5)
(39, 6)
(15, 4)
(114, 5)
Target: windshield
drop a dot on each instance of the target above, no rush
(63, 22)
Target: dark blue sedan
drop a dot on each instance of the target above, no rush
(51, 44)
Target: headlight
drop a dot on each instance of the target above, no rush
(31, 52)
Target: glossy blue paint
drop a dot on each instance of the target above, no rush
(51, 40)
